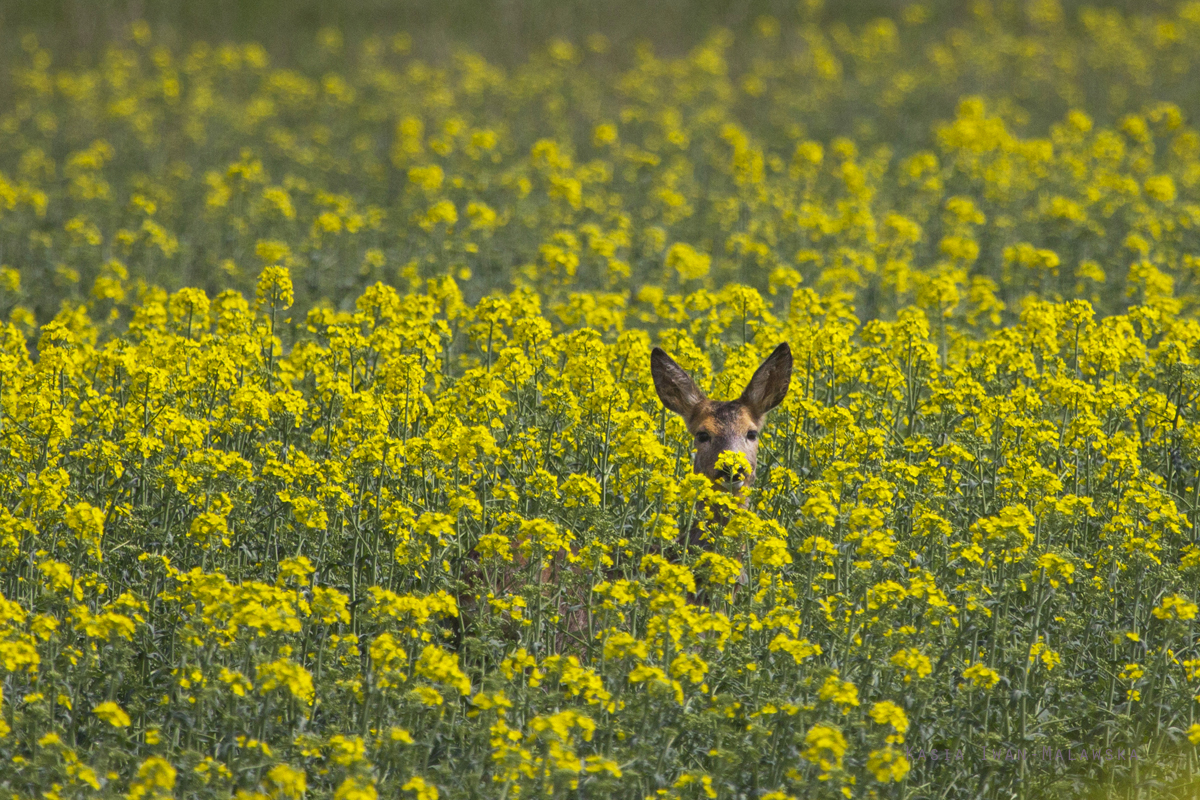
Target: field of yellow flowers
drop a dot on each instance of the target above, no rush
(332, 465)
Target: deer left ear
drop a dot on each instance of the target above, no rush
(770, 383)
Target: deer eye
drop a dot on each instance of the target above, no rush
(752, 435)
(702, 437)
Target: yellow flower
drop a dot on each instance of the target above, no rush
(913, 662)
(842, 693)
(1161, 188)
(1175, 606)
(687, 262)
(287, 781)
(605, 133)
(272, 252)
(1049, 658)
(287, 673)
(274, 288)
(886, 712)
(428, 178)
(887, 765)
(981, 676)
(155, 779)
(1132, 672)
(439, 666)
(420, 789)
(347, 750)
(353, 788)
(825, 746)
(771, 552)
(112, 713)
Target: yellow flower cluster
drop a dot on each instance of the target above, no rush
(919, 515)
(411, 528)
(863, 162)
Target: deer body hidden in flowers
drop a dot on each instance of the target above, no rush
(723, 426)
(718, 427)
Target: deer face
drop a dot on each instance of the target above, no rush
(724, 426)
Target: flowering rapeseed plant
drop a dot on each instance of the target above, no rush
(420, 554)
(413, 528)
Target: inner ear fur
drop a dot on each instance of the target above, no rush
(770, 383)
(675, 387)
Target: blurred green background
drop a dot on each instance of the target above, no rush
(89, 131)
(502, 30)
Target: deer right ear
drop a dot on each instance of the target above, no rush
(675, 387)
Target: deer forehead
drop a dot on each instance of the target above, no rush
(722, 419)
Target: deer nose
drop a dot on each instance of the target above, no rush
(730, 473)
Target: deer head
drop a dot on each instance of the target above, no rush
(720, 426)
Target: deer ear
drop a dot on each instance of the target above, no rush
(770, 383)
(675, 387)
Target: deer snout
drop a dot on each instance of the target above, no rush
(732, 466)
(728, 473)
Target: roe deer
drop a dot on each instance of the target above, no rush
(718, 427)
(721, 426)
